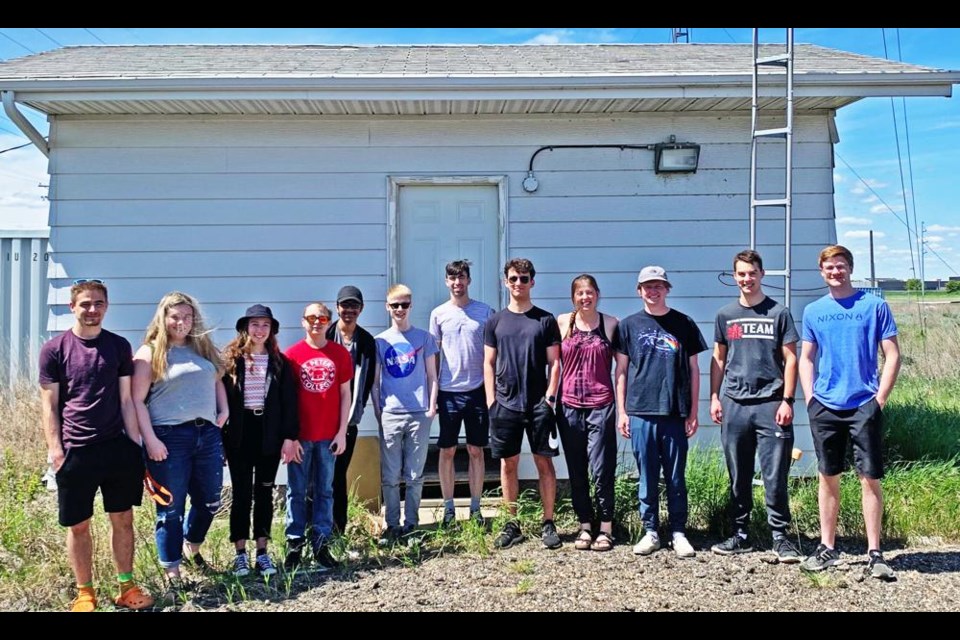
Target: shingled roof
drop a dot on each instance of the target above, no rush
(442, 78)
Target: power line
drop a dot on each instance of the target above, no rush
(732, 39)
(903, 189)
(20, 44)
(95, 36)
(48, 37)
(15, 148)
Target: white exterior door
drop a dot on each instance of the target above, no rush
(437, 224)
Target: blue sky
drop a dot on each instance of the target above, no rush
(876, 188)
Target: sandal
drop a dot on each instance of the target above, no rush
(85, 601)
(584, 540)
(134, 598)
(604, 542)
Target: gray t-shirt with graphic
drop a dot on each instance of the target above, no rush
(754, 338)
(401, 357)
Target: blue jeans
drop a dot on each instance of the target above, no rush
(194, 467)
(661, 442)
(318, 464)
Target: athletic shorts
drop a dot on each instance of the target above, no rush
(508, 426)
(463, 407)
(114, 466)
(832, 428)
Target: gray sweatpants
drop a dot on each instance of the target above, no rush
(404, 438)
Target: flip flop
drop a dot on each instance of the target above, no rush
(604, 542)
(584, 540)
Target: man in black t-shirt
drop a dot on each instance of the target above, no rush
(658, 384)
(755, 364)
(521, 373)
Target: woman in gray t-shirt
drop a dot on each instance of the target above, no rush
(181, 406)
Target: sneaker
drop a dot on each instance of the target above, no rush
(241, 565)
(510, 535)
(134, 598)
(324, 558)
(265, 565)
(682, 546)
(878, 568)
(549, 536)
(388, 536)
(449, 519)
(85, 602)
(785, 550)
(478, 518)
(822, 558)
(293, 560)
(649, 543)
(733, 545)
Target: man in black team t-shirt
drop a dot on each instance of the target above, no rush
(755, 364)
(521, 372)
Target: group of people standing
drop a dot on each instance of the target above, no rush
(576, 379)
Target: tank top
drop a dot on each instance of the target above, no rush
(586, 358)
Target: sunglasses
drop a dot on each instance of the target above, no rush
(350, 305)
(398, 305)
(522, 279)
(86, 280)
(316, 319)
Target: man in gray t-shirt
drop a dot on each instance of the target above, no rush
(753, 378)
(457, 326)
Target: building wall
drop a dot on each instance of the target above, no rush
(23, 302)
(285, 210)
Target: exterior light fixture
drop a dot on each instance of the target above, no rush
(676, 157)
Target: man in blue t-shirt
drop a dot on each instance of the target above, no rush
(842, 332)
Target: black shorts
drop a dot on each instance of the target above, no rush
(832, 428)
(507, 427)
(467, 407)
(114, 466)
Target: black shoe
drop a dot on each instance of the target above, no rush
(821, 559)
(785, 551)
(294, 549)
(733, 545)
(449, 519)
(324, 558)
(548, 535)
(878, 568)
(477, 517)
(389, 536)
(510, 535)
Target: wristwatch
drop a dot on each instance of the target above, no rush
(551, 398)
(789, 400)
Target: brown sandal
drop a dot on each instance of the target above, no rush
(584, 541)
(604, 542)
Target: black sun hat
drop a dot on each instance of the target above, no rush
(258, 311)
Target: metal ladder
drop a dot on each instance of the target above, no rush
(785, 133)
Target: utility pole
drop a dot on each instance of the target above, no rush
(922, 250)
(873, 271)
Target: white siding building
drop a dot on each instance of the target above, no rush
(277, 174)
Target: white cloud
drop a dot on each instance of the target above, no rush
(942, 227)
(933, 239)
(879, 208)
(552, 37)
(858, 190)
(853, 220)
(862, 233)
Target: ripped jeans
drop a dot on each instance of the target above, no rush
(194, 467)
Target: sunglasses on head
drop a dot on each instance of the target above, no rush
(85, 280)
(316, 319)
(522, 279)
(398, 305)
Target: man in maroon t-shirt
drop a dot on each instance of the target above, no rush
(93, 439)
(324, 369)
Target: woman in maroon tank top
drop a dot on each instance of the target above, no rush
(587, 413)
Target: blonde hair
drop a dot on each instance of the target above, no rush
(399, 290)
(198, 339)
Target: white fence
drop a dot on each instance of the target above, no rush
(24, 257)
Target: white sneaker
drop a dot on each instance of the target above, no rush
(682, 546)
(649, 543)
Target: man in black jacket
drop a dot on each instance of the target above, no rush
(358, 341)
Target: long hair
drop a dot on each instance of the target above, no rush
(583, 278)
(242, 347)
(198, 339)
